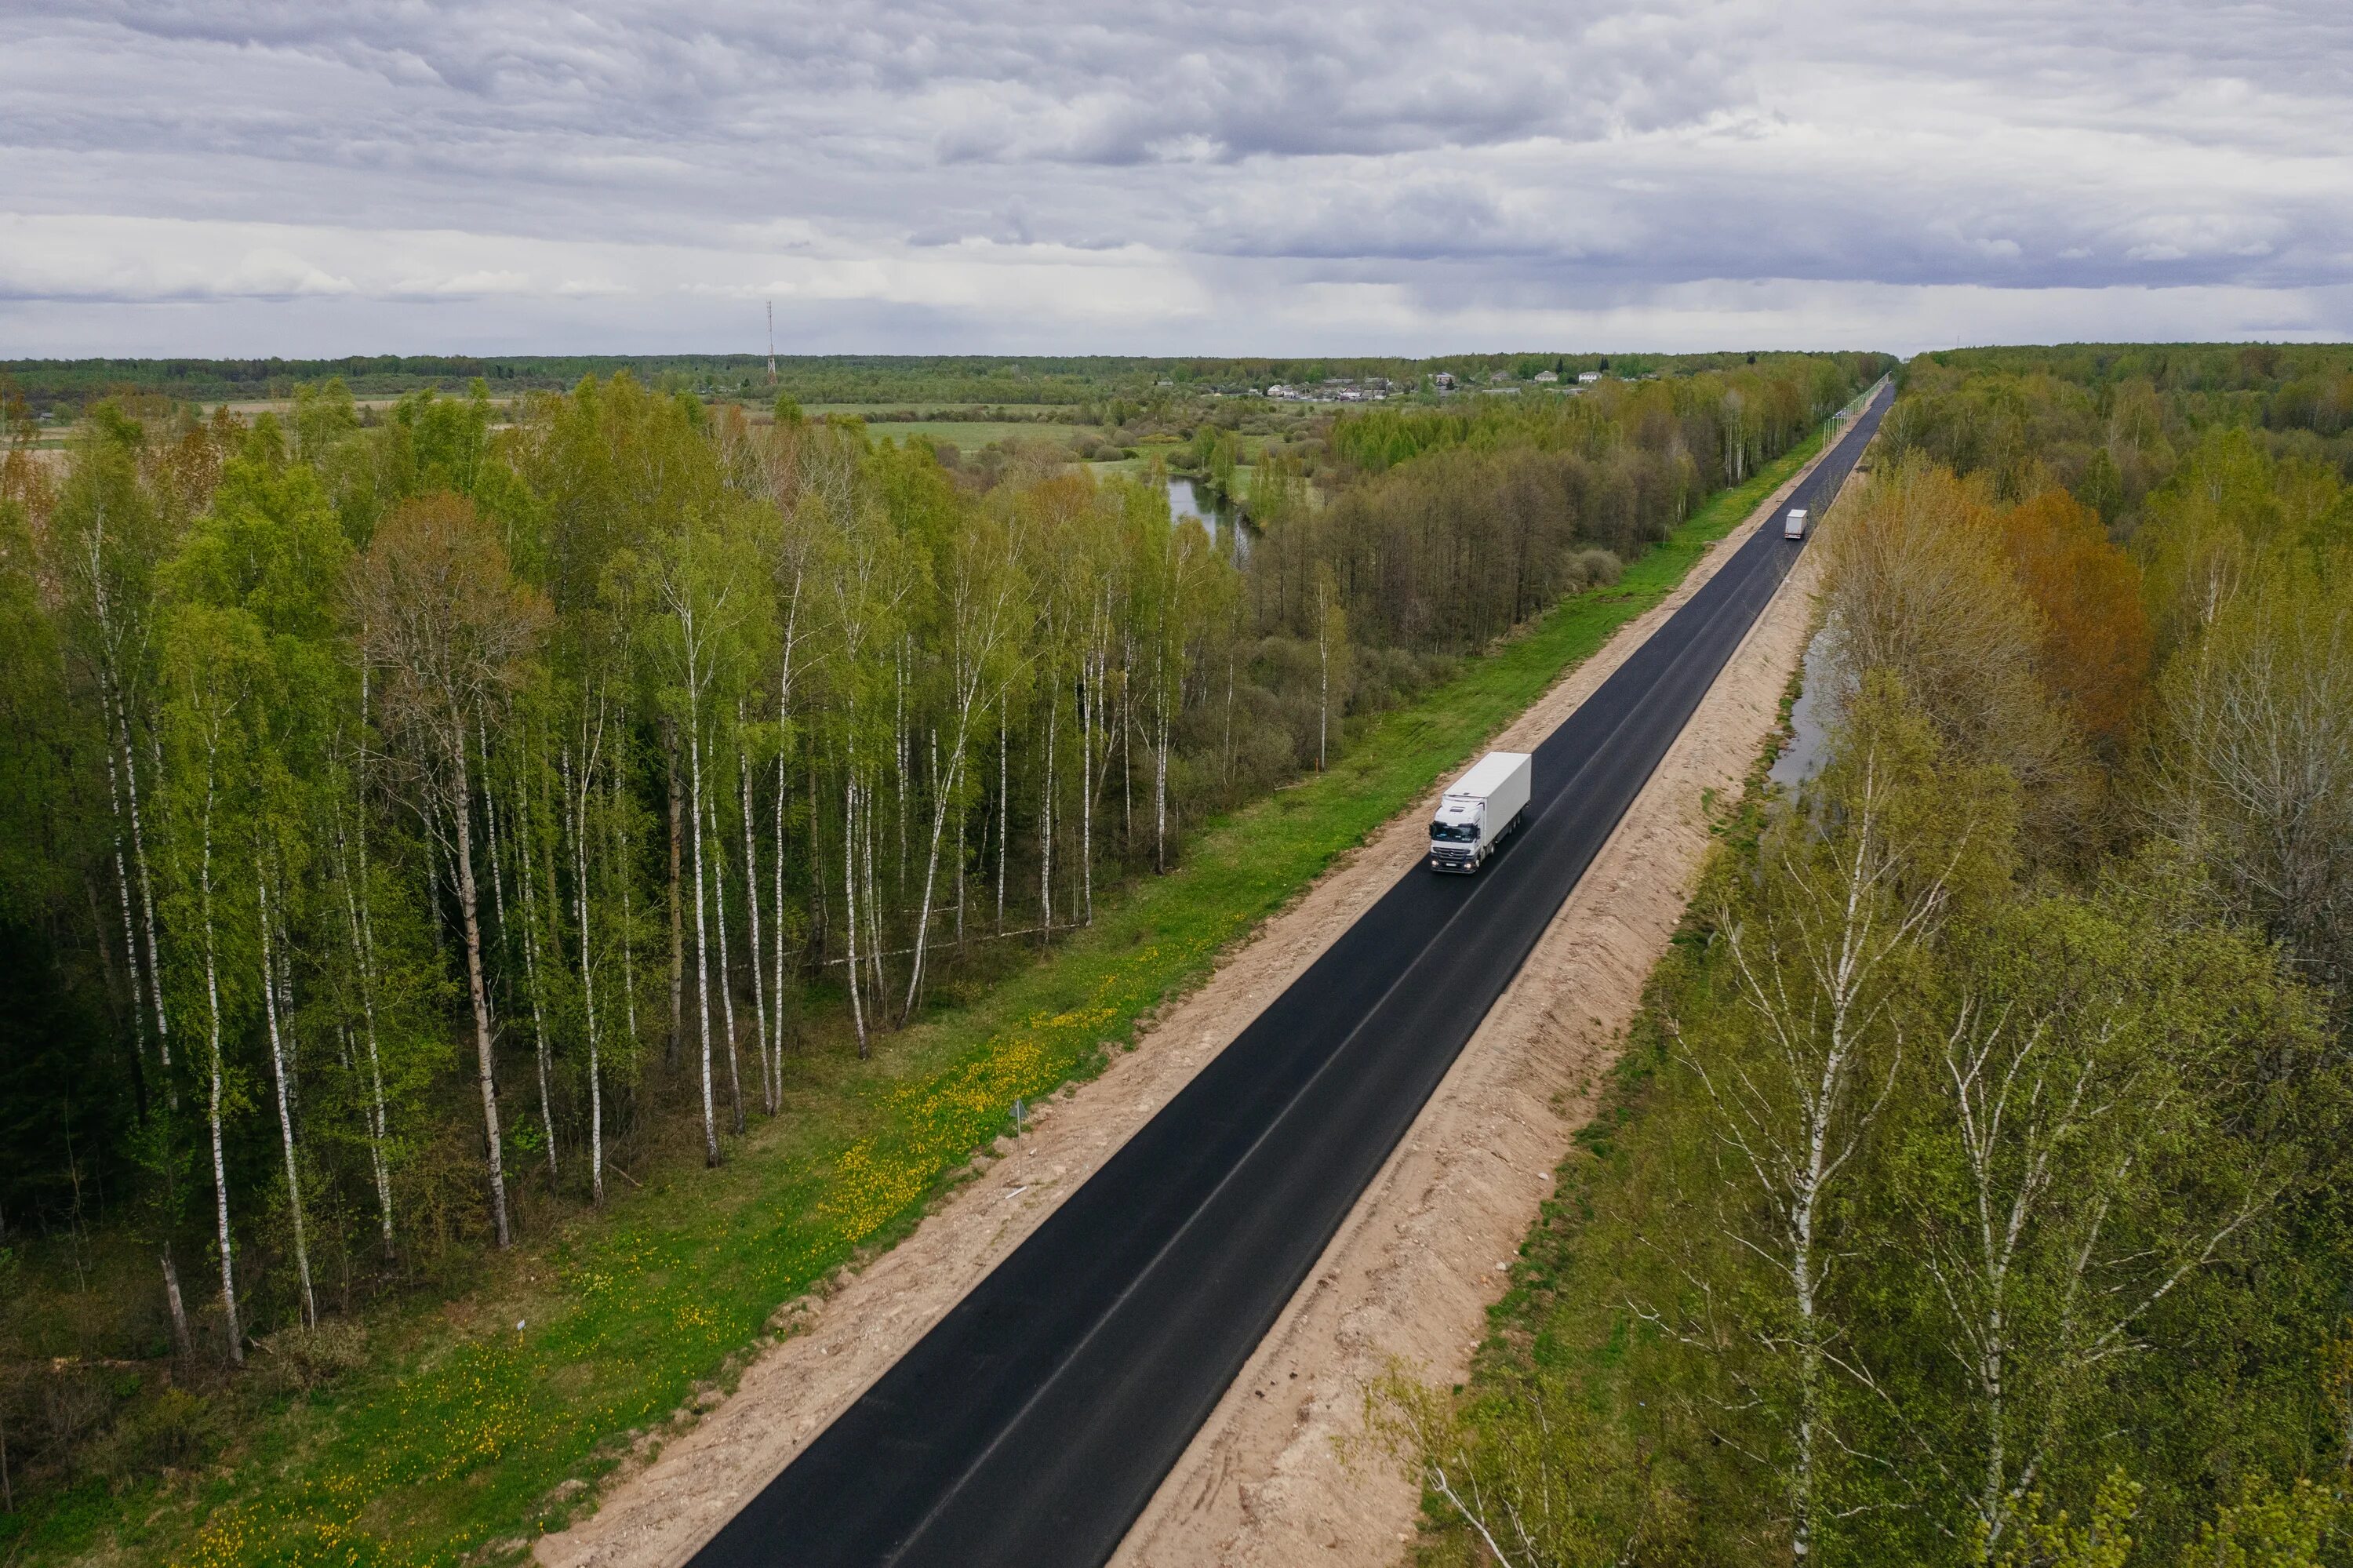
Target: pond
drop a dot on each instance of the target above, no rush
(1809, 720)
(1184, 501)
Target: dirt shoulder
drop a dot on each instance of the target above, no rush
(1502, 1135)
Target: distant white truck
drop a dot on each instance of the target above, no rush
(1793, 527)
(1483, 805)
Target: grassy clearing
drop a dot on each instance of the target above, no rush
(946, 413)
(971, 435)
(471, 1418)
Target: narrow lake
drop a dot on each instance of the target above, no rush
(1184, 501)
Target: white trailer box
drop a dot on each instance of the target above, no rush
(1483, 805)
(1793, 527)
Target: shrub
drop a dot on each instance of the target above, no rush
(175, 1430)
(299, 1360)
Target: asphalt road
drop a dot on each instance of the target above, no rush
(1030, 1426)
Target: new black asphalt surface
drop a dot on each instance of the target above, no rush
(1030, 1426)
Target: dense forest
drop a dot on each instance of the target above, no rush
(1973, 1187)
(409, 826)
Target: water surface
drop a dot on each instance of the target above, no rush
(1184, 501)
(1809, 720)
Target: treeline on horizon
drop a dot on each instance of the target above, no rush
(2107, 422)
(1973, 1188)
(68, 385)
(401, 824)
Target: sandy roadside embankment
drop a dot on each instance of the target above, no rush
(1412, 1271)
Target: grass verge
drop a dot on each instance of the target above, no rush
(474, 1425)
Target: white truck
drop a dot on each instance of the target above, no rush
(1483, 805)
(1793, 527)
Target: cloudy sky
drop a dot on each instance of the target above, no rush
(296, 177)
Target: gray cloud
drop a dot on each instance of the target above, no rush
(949, 174)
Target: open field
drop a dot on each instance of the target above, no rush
(970, 436)
(926, 409)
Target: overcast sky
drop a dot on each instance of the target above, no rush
(276, 176)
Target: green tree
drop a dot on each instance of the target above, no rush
(453, 635)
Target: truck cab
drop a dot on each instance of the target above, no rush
(1455, 834)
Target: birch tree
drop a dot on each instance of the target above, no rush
(2074, 1164)
(984, 597)
(105, 540)
(216, 661)
(351, 881)
(706, 584)
(1824, 949)
(1183, 558)
(266, 919)
(451, 631)
(1331, 643)
(582, 762)
(260, 574)
(2250, 765)
(870, 578)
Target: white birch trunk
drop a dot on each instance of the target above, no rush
(182, 1340)
(777, 1039)
(850, 898)
(285, 1109)
(581, 905)
(1046, 826)
(363, 961)
(931, 869)
(477, 991)
(1840, 941)
(146, 897)
(751, 929)
(900, 740)
(725, 970)
(1160, 787)
(972, 649)
(1087, 700)
(122, 884)
(629, 918)
(784, 714)
(873, 904)
(1004, 808)
(527, 877)
(213, 1015)
(1323, 688)
(702, 939)
(1128, 741)
(357, 909)
(115, 703)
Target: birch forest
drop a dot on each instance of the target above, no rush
(1973, 1188)
(417, 820)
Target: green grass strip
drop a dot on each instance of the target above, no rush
(462, 1428)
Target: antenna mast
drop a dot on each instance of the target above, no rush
(772, 343)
